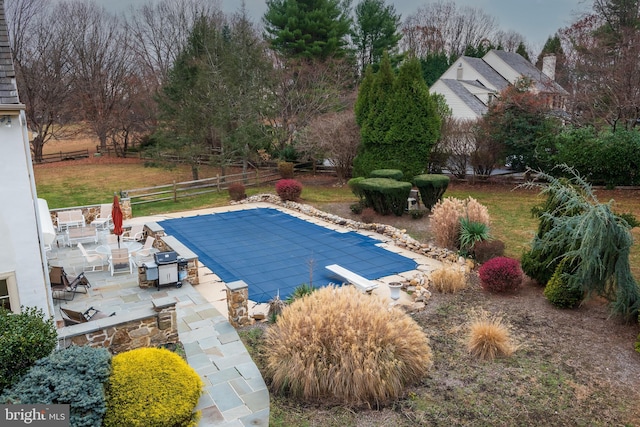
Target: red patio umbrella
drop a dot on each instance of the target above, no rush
(116, 217)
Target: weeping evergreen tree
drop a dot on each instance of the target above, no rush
(590, 236)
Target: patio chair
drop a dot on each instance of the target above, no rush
(72, 317)
(120, 261)
(91, 259)
(147, 249)
(65, 287)
(103, 220)
(134, 234)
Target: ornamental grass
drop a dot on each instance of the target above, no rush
(339, 345)
(489, 337)
(446, 215)
(448, 280)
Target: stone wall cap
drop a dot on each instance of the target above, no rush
(238, 284)
(179, 247)
(154, 226)
(107, 322)
(164, 302)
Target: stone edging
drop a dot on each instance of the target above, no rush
(398, 237)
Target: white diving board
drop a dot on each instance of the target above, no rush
(365, 285)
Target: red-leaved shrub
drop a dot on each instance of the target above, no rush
(288, 189)
(500, 274)
(368, 214)
(237, 192)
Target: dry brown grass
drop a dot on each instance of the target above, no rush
(448, 280)
(342, 346)
(445, 219)
(489, 337)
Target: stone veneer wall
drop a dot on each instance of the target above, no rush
(91, 212)
(127, 331)
(238, 303)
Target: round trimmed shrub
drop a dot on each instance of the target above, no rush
(559, 292)
(289, 189)
(73, 376)
(395, 174)
(432, 187)
(338, 344)
(152, 387)
(24, 338)
(501, 274)
(237, 192)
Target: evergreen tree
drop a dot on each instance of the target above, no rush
(522, 51)
(308, 28)
(553, 46)
(376, 31)
(363, 103)
(401, 123)
(415, 122)
(434, 65)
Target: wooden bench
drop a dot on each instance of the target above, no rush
(365, 285)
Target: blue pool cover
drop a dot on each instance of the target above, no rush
(274, 252)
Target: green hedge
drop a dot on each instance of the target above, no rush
(354, 185)
(386, 173)
(385, 195)
(432, 187)
(24, 338)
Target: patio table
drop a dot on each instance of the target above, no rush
(131, 246)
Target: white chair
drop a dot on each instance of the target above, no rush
(147, 249)
(120, 261)
(103, 220)
(91, 259)
(134, 234)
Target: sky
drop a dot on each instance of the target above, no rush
(536, 20)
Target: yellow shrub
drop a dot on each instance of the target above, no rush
(448, 280)
(340, 344)
(489, 337)
(151, 387)
(445, 219)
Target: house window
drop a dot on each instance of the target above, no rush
(5, 300)
(9, 293)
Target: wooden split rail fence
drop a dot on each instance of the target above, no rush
(178, 190)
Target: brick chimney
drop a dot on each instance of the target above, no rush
(549, 66)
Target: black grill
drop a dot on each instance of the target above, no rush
(165, 257)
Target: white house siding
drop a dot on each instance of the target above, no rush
(459, 109)
(21, 253)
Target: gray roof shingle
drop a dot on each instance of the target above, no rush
(8, 89)
(492, 76)
(521, 65)
(467, 97)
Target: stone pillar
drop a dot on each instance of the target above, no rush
(125, 205)
(238, 303)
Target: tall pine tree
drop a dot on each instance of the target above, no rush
(311, 29)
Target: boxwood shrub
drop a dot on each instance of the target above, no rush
(432, 187)
(386, 195)
(152, 387)
(386, 173)
(24, 338)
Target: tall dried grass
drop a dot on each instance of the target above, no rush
(339, 344)
(448, 280)
(489, 337)
(445, 219)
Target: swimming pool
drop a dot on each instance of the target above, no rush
(274, 252)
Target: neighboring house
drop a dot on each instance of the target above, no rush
(470, 84)
(24, 278)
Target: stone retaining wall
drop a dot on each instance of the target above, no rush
(127, 331)
(93, 211)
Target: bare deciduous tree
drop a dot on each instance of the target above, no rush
(42, 70)
(458, 141)
(305, 90)
(443, 27)
(334, 136)
(101, 62)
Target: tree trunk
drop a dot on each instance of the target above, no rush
(36, 145)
